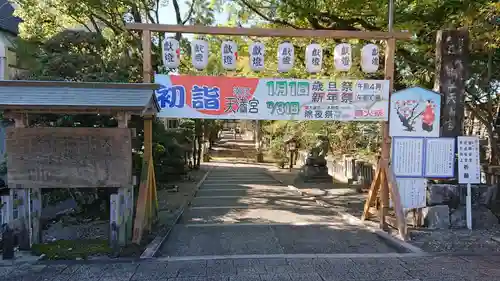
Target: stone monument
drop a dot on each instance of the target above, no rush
(315, 169)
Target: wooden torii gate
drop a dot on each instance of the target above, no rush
(384, 184)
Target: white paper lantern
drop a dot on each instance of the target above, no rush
(256, 55)
(199, 54)
(171, 53)
(314, 58)
(369, 58)
(342, 56)
(229, 51)
(286, 56)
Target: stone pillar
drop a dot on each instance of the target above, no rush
(452, 51)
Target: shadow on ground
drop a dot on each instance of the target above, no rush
(241, 210)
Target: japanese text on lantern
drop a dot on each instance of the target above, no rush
(257, 56)
(199, 52)
(228, 53)
(345, 55)
(316, 56)
(170, 53)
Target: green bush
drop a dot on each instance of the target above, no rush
(277, 151)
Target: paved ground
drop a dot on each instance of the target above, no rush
(241, 210)
(321, 269)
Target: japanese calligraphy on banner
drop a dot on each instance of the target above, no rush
(415, 112)
(211, 97)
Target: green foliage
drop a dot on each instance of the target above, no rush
(76, 56)
(345, 138)
(415, 60)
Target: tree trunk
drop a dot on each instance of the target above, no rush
(198, 130)
(194, 154)
(492, 146)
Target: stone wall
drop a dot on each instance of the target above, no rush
(445, 202)
(345, 169)
(446, 206)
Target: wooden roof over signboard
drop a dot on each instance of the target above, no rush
(78, 97)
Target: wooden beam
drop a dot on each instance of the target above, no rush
(270, 32)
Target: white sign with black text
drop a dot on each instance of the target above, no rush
(413, 192)
(408, 157)
(469, 169)
(440, 157)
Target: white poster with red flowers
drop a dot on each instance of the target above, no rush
(415, 112)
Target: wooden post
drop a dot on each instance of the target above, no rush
(124, 204)
(22, 204)
(147, 71)
(7, 210)
(36, 199)
(122, 220)
(147, 201)
(386, 143)
(114, 223)
(129, 205)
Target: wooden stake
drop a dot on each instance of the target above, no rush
(396, 201)
(372, 194)
(141, 209)
(384, 198)
(147, 197)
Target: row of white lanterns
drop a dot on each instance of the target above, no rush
(286, 56)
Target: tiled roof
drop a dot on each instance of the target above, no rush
(8, 21)
(73, 94)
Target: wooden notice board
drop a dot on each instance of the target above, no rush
(69, 157)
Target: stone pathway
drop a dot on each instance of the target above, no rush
(367, 268)
(241, 210)
(243, 225)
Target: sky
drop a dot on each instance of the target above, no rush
(167, 15)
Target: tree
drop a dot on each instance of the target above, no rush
(87, 41)
(415, 60)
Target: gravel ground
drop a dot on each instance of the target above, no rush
(457, 240)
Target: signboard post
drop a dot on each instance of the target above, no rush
(469, 169)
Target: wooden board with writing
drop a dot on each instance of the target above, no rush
(69, 157)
